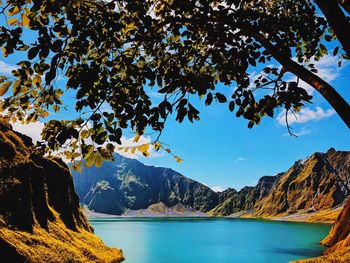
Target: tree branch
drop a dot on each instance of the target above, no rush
(326, 90)
(337, 20)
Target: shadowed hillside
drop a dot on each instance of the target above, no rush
(40, 217)
(127, 184)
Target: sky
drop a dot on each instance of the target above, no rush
(220, 151)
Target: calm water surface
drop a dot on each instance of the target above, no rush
(210, 240)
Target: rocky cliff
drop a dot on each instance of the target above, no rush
(232, 201)
(40, 217)
(126, 184)
(337, 241)
(318, 183)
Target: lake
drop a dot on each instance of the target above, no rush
(206, 240)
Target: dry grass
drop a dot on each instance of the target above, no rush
(340, 256)
(59, 244)
(30, 229)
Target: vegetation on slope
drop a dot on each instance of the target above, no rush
(40, 217)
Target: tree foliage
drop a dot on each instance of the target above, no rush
(116, 52)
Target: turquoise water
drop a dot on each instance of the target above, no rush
(210, 240)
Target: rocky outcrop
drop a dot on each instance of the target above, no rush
(310, 185)
(40, 217)
(318, 183)
(161, 210)
(232, 201)
(340, 232)
(338, 240)
(126, 184)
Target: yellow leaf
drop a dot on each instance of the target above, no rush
(90, 159)
(4, 52)
(84, 134)
(12, 21)
(76, 166)
(44, 114)
(144, 147)
(25, 20)
(55, 108)
(13, 11)
(98, 160)
(16, 88)
(179, 160)
(157, 146)
(37, 80)
(136, 138)
(5, 87)
(133, 150)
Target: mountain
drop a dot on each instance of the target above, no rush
(318, 183)
(321, 182)
(40, 216)
(127, 184)
(232, 201)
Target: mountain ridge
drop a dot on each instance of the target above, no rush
(319, 182)
(128, 184)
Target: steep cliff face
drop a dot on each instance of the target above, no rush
(127, 184)
(40, 217)
(318, 183)
(310, 185)
(338, 240)
(232, 201)
(339, 236)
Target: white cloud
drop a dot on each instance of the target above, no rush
(6, 69)
(303, 131)
(240, 159)
(328, 70)
(32, 130)
(217, 188)
(305, 115)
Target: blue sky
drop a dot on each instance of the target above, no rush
(222, 152)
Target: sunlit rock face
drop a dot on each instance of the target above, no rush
(318, 183)
(232, 201)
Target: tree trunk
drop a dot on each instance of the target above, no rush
(345, 4)
(337, 20)
(326, 90)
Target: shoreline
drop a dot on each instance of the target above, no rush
(322, 217)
